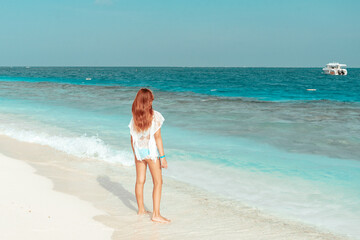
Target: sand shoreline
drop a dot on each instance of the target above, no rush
(109, 189)
(30, 209)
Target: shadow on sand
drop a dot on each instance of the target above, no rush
(118, 190)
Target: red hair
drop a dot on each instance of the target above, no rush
(142, 110)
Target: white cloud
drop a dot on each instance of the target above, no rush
(104, 2)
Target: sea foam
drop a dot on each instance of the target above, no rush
(81, 146)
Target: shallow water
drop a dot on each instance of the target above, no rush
(251, 134)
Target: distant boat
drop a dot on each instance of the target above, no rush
(335, 69)
(87, 79)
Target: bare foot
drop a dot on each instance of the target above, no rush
(144, 212)
(160, 219)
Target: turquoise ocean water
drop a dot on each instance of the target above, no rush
(251, 134)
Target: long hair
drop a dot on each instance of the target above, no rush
(142, 110)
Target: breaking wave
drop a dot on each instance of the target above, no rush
(81, 146)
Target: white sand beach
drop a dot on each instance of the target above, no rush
(30, 209)
(47, 194)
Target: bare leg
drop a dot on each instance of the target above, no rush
(155, 170)
(139, 186)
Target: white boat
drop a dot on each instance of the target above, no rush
(335, 69)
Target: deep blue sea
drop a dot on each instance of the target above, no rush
(255, 135)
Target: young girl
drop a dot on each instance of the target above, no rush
(148, 149)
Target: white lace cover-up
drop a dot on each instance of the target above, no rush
(144, 142)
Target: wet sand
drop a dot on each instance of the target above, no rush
(103, 196)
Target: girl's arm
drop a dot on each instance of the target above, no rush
(160, 147)
(132, 146)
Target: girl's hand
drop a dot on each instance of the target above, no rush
(163, 163)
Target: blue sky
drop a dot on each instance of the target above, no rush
(179, 33)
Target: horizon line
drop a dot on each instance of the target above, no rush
(131, 66)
